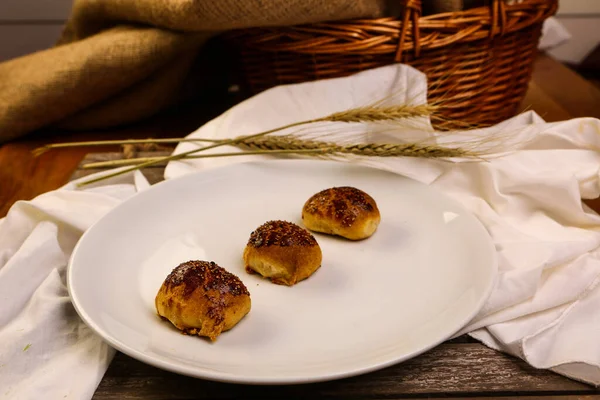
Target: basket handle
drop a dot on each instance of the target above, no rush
(412, 10)
(498, 15)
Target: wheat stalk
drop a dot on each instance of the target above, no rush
(293, 145)
(135, 161)
(187, 153)
(359, 114)
(43, 149)
(360, 149)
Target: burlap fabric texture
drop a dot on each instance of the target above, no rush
(119, 61)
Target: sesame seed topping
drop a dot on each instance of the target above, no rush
(343, 204)
(208, 275)
(281, 233)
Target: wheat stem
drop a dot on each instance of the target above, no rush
(330, 149)
(41, 150)
(134, 161)
(119, 163)
(187, 153)
(292, 145)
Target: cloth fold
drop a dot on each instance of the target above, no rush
(46, 351)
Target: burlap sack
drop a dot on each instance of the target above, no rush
(122, 60)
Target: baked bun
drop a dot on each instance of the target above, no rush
(201, 298)
(283, 252)
(344, 211)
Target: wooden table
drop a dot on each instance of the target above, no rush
(458, 368)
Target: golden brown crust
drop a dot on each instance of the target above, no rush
(283, 252)
(201, 298)
(344, 211)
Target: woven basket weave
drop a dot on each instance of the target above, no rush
(478, 62)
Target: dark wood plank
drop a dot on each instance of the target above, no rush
(23, 176)
(544, 105)
(574, 94)
(447, 370)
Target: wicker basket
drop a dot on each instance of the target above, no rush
(478, 61)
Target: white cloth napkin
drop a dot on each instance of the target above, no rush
(544, 308)
(554, 34)
(46, 351)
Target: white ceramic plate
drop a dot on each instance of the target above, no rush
(421, 277)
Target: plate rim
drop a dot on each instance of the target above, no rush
(233, 378)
